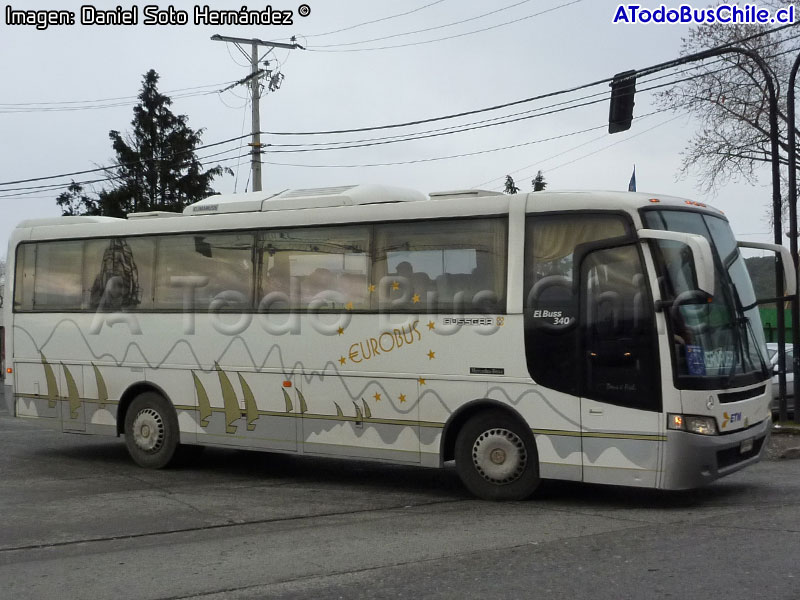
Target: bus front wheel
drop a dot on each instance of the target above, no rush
(151, 431)
(496, 457)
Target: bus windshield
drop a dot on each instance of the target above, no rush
(718, 342)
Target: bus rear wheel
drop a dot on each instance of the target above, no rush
(151, 431)
(496, 457)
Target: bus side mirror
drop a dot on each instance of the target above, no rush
(702, 259)
(789, 276)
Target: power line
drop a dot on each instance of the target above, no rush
(43, 105)
(538, 163)
(123, 165)
(437, 158)
(444, 117)
(54, 187)
(403, 14)
(451, 37)
(540, 112)
(406, 137)
(643, 72)
(462, 155)
(468, 126)
(356, 145)
(551, 169)
(394, 35)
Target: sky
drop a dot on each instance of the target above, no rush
(64, 88)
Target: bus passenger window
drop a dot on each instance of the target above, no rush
(213, 270)
(317, 268)
(118, 274)
(58, 281)
(454, 266)
(24, 276)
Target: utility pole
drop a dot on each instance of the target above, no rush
(255, 95)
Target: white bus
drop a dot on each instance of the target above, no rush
(589, 336)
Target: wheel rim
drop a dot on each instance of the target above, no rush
(149, 430)
(499, 456)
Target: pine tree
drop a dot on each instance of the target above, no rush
(538, 183)
(511, 187)
(156, 167)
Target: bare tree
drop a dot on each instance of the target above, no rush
(730, 101)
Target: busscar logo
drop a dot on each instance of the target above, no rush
(467, 321)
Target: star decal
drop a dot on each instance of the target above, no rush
(349, 306)
(431, 355)
(377, 397)
(402, 398)
(371, 288)
(395, 285)
(342, 360)
(415, 298)
(421, 381)
(431, 325)
(340, 331)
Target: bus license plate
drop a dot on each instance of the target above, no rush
(746, 446)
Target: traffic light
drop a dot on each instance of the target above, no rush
(620, 112)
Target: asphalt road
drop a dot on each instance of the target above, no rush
(79, 520)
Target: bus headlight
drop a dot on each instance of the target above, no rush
(692, 424)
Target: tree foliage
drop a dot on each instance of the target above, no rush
(155, 168)
(75, 201)
(538, 183)
(510, 187)
(730, 102)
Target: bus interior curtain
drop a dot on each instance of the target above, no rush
(554, 241)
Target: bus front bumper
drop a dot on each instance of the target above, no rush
(693, 460)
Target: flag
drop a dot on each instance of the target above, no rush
(632, 183)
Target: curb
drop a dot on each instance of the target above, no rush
(786, 429)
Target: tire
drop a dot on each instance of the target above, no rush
(151, 431)
(496, 457)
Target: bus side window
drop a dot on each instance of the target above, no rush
(453, 266)
(118, 274)
(58, 276)
(218, 268)
(551, 302)
(316, 268)
(24, 276)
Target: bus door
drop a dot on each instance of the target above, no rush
(621, 428)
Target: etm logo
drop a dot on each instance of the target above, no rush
(732, 418)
